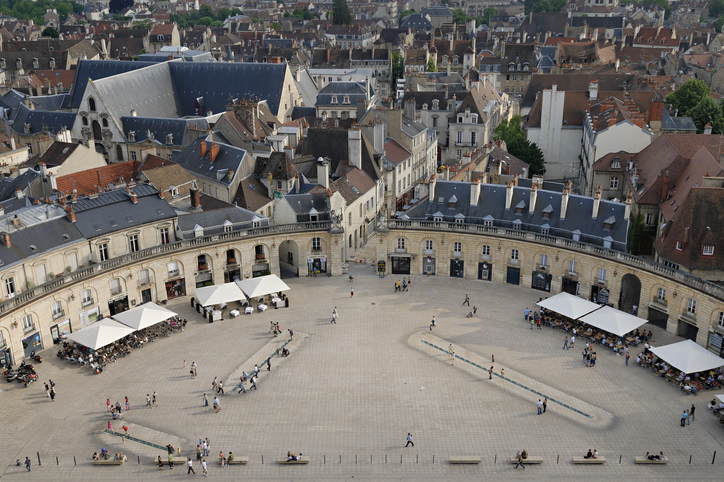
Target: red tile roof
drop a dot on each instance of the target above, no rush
(85, 182)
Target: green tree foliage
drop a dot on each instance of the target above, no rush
(512, 133)
(50, 32)
(487, 13)
(662, 3)
(707, 111)
(459, 16)
(223, 14)
(205, 21)
(686, 97)
(398, 69)
(299, 13)
(547, 6)
(143, 25)
(340, 13)
(26, 9)
(431, 67)
(206, 11)
(716, 8)
(718, 23)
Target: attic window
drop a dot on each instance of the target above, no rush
(440, 200)
(66, 237)
(65, 151)
(452, 202)
(129, 219)
(708, 250)
(616, 163)
(679, 246)
(98, 228)
(113, 223)
(520, 207)
(334, 99)
(33, 248)
(160, 213)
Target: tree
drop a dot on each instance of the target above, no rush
(716, 8)
(707, 111)
(340, 13)
(143, 25)
(718, 23)
(223, 14)
(205, 21)
(459, 16)
(398, 70)
(50, 32)
(512, 133)
(118, 5)
(487, 13)
(431, 67)
(686, 97)
(206, 11)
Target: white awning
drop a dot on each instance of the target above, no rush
(218, 294)
(688, 356)
(568, 305)
(613, 320)
(100, 334)
(263, 285)
(143, 316)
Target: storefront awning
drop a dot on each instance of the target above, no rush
(218, 294)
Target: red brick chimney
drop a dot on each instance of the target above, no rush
(134, 198)
(195, 198)
(70, 213)
(161, 194)
(203, 148)
(214, 151)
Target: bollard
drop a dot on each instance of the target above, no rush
(262, 459)
(400, 458)
(433, 459)
(496, 459)
(340, 459)
(56, 461)
(370, 458)
(713, 458)
(42, 464)
(74, 462)
(558, 458)
(325, 459)
(689, 459)
(385, 458)
(417, 459)
(619, 458)
(355, 460)
(139, 460)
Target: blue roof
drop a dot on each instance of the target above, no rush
(98, 69)
(42, 120)
(160, 127)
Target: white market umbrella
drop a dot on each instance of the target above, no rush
(721, 398)
(263, 285)
(101, 333)
(218, 294)
(568, 305)
(688, 356)
(613, 321)
(143, 316)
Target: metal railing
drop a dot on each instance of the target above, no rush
(88, 272)
(568, 244)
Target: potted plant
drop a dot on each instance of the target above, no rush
(259, 256)
(232, 260)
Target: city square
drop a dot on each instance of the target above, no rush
(349, 393)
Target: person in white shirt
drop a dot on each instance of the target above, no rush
(204, 468)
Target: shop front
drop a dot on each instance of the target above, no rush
(428, 265)
(541, 281)
(260, 269)
(513, 276)
(87, 318)
(570, 286)
(60, 331)
(599, 294)
(687, 328)
(146, 295)
(32, 344)
(204, 278)
(485, 271)
(175, 288)
(317, 265)
(658, 317)
(457, 268)
(118, 305)
(232, 273)
(716, 341)
(400, 265)
(5, 358)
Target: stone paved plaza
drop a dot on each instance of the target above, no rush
(349, 394)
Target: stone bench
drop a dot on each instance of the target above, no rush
(302, 460)
(465, 460)
(529, 460)
(237, 461)
(583, 460)
(644, 460)
(108, 462)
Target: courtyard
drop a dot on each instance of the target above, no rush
(349, 393)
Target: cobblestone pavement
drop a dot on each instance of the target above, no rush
(349, 394)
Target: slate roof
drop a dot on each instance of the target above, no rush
(228, 158)
(55, 155)
(492, 203)
(303, 203)
(96, 70)
(53, 121)
(252, 194)
(415, 21)
(180, 129)
(355, 91)
(115, 211)
(215, 221)
(8, 185)
(172, 175)
(574, 82)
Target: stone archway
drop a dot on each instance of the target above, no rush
(630, 293)
(288, 259)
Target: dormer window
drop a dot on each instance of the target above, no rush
(708, 250)
(608, 223)
(334, 99)
(435, 104)
(520, 207)
(424, 106)
(616, 163)
(452, 202)
(547, 212)
(679, 246)
(460, 119)
(345, 100)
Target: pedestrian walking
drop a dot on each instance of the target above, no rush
(190, 463)
(526, 313)
(205, 400)
(217, 404)
(540, 407)
(532, 322)
(193, 367)
(214, 383)
(184, 363)
(545, 404)
(241, 384)
(450, 350)
(467, 300)
(520, 461)
(627, 357)
(565, 344)
(51, 382)
(490, 373)
(160, 463)
(154, 399)
(205, 448)
(47, 390)
(573, 339)
(108, 404)
(52, 394)
(409, 440)
(148, 400)
(453, 359)
(110, 427)
(27, 463)
(684, 416)
(492, 358)
(537, 321)
(253, 382)
(291, 334)
(207, 444)
(351, 292)
(256, 369)
(334, 315)
(268, 364)
(502, 372)
(221, 387)
(691, 412)
(475, 310)
(128, 404)
(272, 327)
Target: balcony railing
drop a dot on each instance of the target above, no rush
(568, 244)
(85, 273)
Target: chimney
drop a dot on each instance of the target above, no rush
(474, 192)
(410, 108)
(687, 232)
(665, 187)
(596, 202)
(214, 151)
(515, 180)
(289, 151)
(134, 113)
(354, 147)
(323, 172)
(161, 195)
(707, 129)
(195, 196)
(627, 211)
(367, 88)
(71, 214)
(361, 108)
(19, 194)
(533, 198)
(431, 188)
(446, 91)
(327, 54)
(593, 90)
(231, 175)
(12, 143)
(7, 240)
(509, 195)
(134, 198)
(564, 203)
(202, 148)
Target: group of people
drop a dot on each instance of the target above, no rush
(275, 328)
(591, 454)
(291, 456)
(660, 456)
(403, 284)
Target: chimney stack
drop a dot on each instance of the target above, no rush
(564, 203)
(354, 146)
(431, 188)
(134, 198)
(665, 187)
(323, 172)
(509, 195)
(707, 129)
(195, 196)
(627, 211)
(474, 192)
(596, 203)
(7, 240)
(533, 199)
(202, 146)
(214, 151)
(71, 214)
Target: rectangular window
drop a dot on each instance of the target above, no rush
(434, 122)
(649, 219)
(400, 244)
(72, 260)
(143, 277)
(86, 298)
(173, 269)
(458, 248)
(28, 324)
(486, 251)
(614, 183)
(488, 223)
(572, 267)
(679, 246)
(473, 138)
(164, 235)
(10, 287)
(115, 286)
(601, 275)
(514, 255)
(57, 309)
(40, 274)
(691, 306)
(133, 243)
(543, 260)
(708, 250)
(228, 228)
(103, 251)
(316, 244)
(661, 294)
(460, 137)
(545, 231)
(721, 319)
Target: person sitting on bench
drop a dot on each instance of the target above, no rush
(588, 455)
(524, 454)
(285, 352)
(95, 456)
(595, 454)
(291, 456)
(229, 459)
